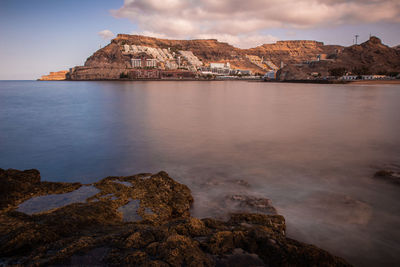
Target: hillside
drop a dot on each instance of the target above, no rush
(295, 60)
(370, 57)
(109, 62)
(290, 52)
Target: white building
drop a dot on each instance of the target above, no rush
(151, 63)
(136, 62)
(218, 65)
(349, 77)
(270, 75)
(373, 77)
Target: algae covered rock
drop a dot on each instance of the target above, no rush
(139, 220)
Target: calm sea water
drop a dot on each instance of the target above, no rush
(311, 149)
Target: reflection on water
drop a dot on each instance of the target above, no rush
(129, 211)
(128, 184)
(49, 202)
(311, 149)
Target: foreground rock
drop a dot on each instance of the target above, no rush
(140, 220)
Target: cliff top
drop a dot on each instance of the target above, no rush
(147, 39)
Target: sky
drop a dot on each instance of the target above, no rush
(39, 36)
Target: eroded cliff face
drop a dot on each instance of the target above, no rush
(139, 220)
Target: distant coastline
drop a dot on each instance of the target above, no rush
(361, 82)
(134, 57)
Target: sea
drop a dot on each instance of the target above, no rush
(312, 149)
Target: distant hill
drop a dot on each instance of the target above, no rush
(110, 61)
(301, 58)
(370, 57)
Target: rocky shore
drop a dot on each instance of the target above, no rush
(139, 220)
(55, 76)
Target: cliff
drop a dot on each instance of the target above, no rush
(370, 57)
(55, 76)
(139, 220)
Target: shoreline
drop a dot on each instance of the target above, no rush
(397, 81)
(138, 220)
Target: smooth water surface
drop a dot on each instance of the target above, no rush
(45, 203)
(311, 149)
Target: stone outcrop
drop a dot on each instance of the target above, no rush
(55, 76)
(101, 231)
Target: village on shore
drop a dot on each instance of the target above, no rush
(159, 59)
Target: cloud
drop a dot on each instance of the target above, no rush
(242, 21)
(106, 34)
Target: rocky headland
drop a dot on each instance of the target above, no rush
(139, 220)
(133, 57)
(55, 76)
(113, 60)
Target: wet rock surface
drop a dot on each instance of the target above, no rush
(255, 203)
(94, 232)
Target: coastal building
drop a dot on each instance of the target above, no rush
(349, 77)
(270, 75)
(177, 74)
(143, 60)
(243, 72)
(322, 57)
(151, 63)
(373, 77)
(219, 68)
(144, 74)
(218, 65)
(136, 62)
